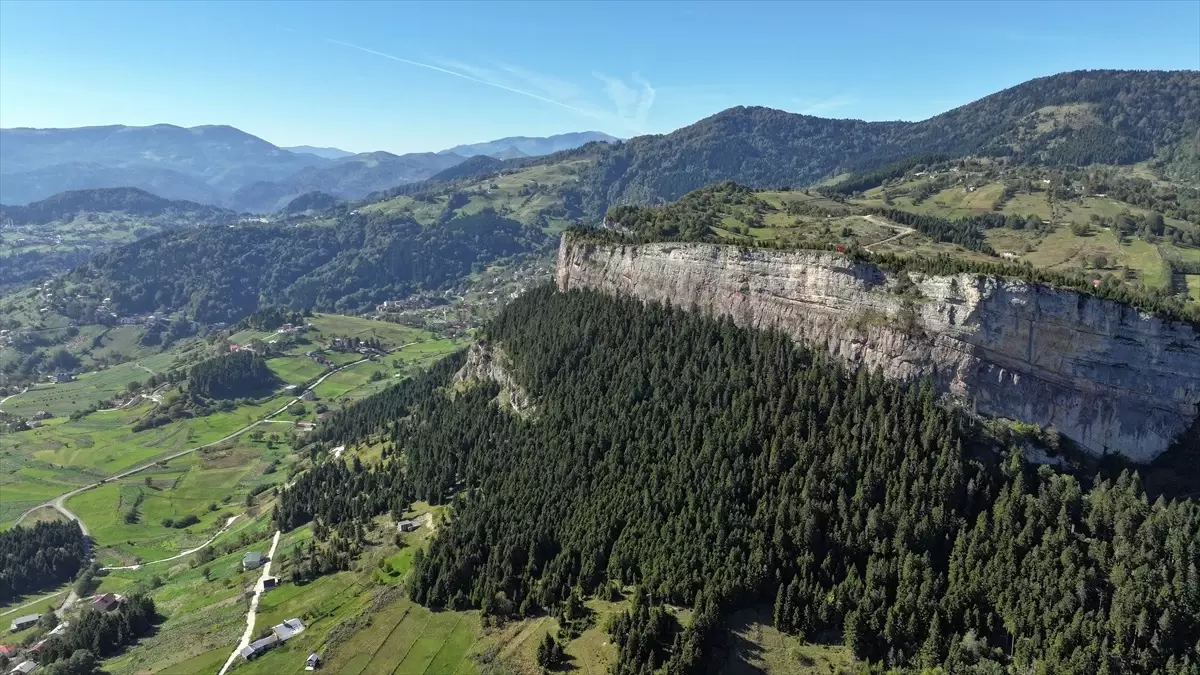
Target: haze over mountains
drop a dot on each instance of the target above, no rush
(220, 165)
(1077, 118)
(525, 146)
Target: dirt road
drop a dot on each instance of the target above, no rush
(253, 611)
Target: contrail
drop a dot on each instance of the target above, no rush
(465, 77)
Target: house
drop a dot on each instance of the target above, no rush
(42, 415)
(270, 582)
(252, 560)
(258, 647)
(63, 376)
(106, 603)
(308, 395)
(59, 629)
(313, 662)
(408, 526)
(288, 629)
(7, 651)
(24, 667)
(23, 622)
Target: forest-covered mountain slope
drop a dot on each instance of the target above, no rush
(715, 468)
(56, 234)
(352, 177)
(128, 201)
(1078, 118)
(222, 273)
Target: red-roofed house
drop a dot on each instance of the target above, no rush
(106, 603)
(8, 652)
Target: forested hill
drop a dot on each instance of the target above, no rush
(225, 273)
(1078, 118)
(128, 201)
(716, 468)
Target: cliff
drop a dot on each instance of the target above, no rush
(485, 362)
(1109, 377)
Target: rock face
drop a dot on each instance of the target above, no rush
(1111, 378)
(487, 362)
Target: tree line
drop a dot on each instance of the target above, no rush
(716, 467)
(39, 557)
(237, 374)
(103, 634)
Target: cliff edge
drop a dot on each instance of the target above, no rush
(1111, 378)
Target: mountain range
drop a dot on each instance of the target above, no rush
(514, 147)
(1076, 118)
(219, 165)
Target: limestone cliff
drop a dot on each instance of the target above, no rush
(1109, 377)
(488, 362)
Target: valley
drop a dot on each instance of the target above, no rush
(769, 393)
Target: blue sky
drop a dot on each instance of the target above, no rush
(413, 77)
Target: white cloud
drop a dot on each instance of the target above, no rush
(632, 103)
(629, 103)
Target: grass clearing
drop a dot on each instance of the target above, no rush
(1193, 285)
(750, 644)
(89, 388)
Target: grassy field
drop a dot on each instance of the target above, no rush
(211, 484)
(87, 389)
(1193, 284)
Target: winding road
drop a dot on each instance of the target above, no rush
(72, 597)
(904, 231)
(59, 502)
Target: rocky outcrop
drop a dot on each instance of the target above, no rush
(487, 362)
(1111, 378)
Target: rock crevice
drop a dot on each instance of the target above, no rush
(1109, 377)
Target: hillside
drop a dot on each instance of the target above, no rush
(221, 165)
(1079, 118)
(525, 146)
(56, 234)
(129, 201)
(352, 177)
(327, 153)
(686, 470)
(221, 157)
(220, 274)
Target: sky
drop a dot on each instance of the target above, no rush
(408, 77)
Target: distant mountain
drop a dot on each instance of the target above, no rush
(44, 182)
(1077, 118)
(217, 165)
(351, 177)
(128, 201)
(56, 234)
(526, 146)
(510, 153)
(475, 166)
(327, 153)
(310, 202)
(203, 163)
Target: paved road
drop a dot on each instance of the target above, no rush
(250, 614)
(59, 503)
